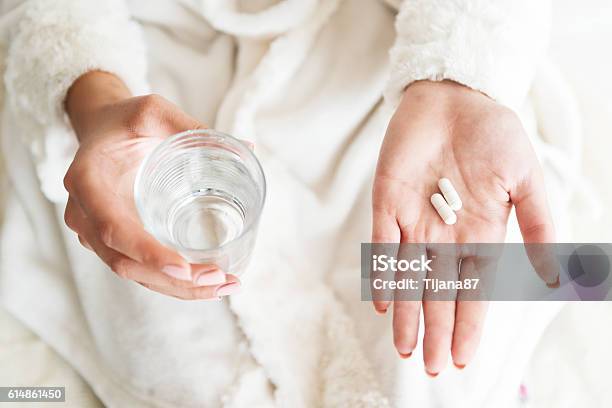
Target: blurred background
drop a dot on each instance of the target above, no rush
(569, 366)
(580, 48)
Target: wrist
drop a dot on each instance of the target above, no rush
(446, 97)
(446, 88)
(88, 95)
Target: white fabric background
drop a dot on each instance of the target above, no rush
(570, 365)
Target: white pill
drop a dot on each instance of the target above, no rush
(450, 194)
(446, 213)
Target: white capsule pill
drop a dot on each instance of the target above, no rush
(450, 194)
(446, 213)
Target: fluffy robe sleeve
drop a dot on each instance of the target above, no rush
(492, 46)
(53, 44)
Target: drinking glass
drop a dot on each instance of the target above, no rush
(201, 192)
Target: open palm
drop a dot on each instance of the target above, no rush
(447, 130)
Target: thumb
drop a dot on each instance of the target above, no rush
(384, 231)
(535, 222)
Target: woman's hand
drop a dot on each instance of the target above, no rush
(447, 130)
(115, 132)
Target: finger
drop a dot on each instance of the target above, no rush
(76, 220)
(535, 222)
(119, 230)
(230, 287)
(248, 144)
(532, 210)
(129, 269)
(439, 312)
(118, 263)
(168, 291)
(469, 317)
(406, 326)
(84, 242)
(207, 274)
(73, 215)
(384, 230)
(407, 303)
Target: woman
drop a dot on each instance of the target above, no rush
(303, 81)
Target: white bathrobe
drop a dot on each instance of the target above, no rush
(304, 80)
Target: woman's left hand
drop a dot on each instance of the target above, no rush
(447, 130)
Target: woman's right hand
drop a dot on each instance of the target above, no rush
(115, 132)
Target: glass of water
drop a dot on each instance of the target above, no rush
(201, 192)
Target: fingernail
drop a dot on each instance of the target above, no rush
(177, 272)
(405, 355)
(554, 285)
(431, 374)
(459, 366)
(215, 277)
(228, 289)
(380, 312)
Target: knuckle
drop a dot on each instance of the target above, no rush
(152, 100)
(149, 257)
(121, 267)
(199, 293)
(181, 297)
(146, 109)
(68, 181)
(69, 178)
(181, 284)
(75, 177)
(182, 294)
(193, 294)
(69, 219)
(469, 327)
(536, 229)
(441, 327)
(84, 242)
(150, 104)
(80, 177)
(106, 232)
(447, 329)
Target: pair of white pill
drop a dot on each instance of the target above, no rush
(448, 202)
